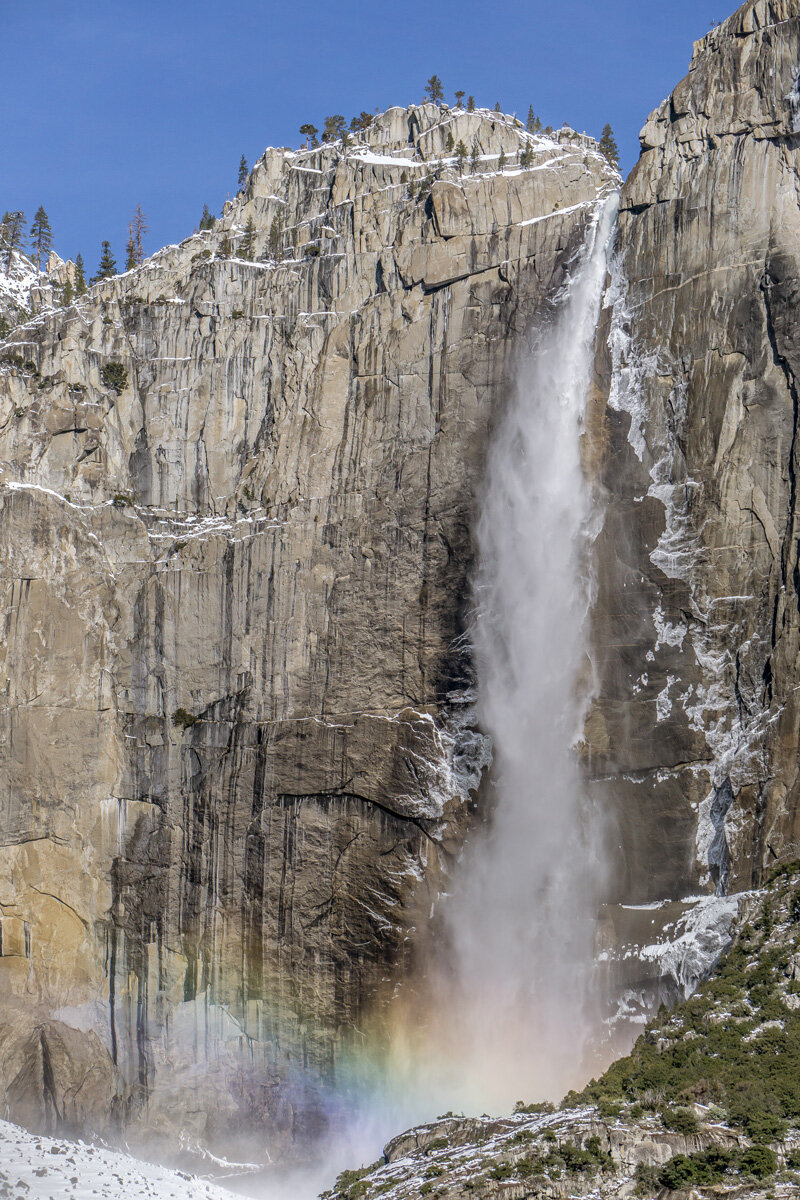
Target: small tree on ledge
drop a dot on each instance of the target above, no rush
(461, 156)
(608, 146)
(249, 239)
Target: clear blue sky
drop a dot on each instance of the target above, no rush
(123, 102)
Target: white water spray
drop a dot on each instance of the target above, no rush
(523, 910)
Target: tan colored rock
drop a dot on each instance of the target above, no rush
(450, 209)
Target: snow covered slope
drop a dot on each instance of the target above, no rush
(43, 1168)
(16, 287)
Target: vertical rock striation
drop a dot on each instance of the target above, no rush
(236, 500)
(693, 736)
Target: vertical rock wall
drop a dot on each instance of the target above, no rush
(693, 736)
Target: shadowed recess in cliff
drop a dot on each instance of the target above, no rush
(510, 1000)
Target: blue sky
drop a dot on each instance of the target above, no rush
(123, 102)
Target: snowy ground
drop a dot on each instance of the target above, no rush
(44, 1168)
(15, 288)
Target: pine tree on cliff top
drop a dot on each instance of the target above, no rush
(41, 236)
(434, 89)
(137, 229)
(309, 132)
(361, 122)
(244, 172)
(335, 128)
(608, 146)
(12, 236)
(208, 220)
(108, 265)
(130, 254)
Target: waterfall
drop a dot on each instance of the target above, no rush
(516, 996)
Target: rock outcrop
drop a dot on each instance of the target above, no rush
(707, 1104)
(237, 487)
(692, 741)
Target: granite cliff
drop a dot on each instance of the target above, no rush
(237, 490)
(692, 741)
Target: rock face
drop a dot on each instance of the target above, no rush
(692, 741)
(237, 486)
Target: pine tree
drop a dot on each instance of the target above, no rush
(434, 90)
(470, 104)
(459, 99)
(310, 132)
(248, 241)
(275, 235)
(80, 277)
(361, 122)
(449, 143)
(244, 172)
(526, 158)
(41, 237)
(108, 266)
(136, 231)
(608, 146)
(461, 156)
(208, 220)
(130, 254)
(12, 236)
(497, 107)
(501, 162)
(335, 127)
(475, 157)
(67, 293)
(533, 124)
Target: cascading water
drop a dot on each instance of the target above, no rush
(514, 1005)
